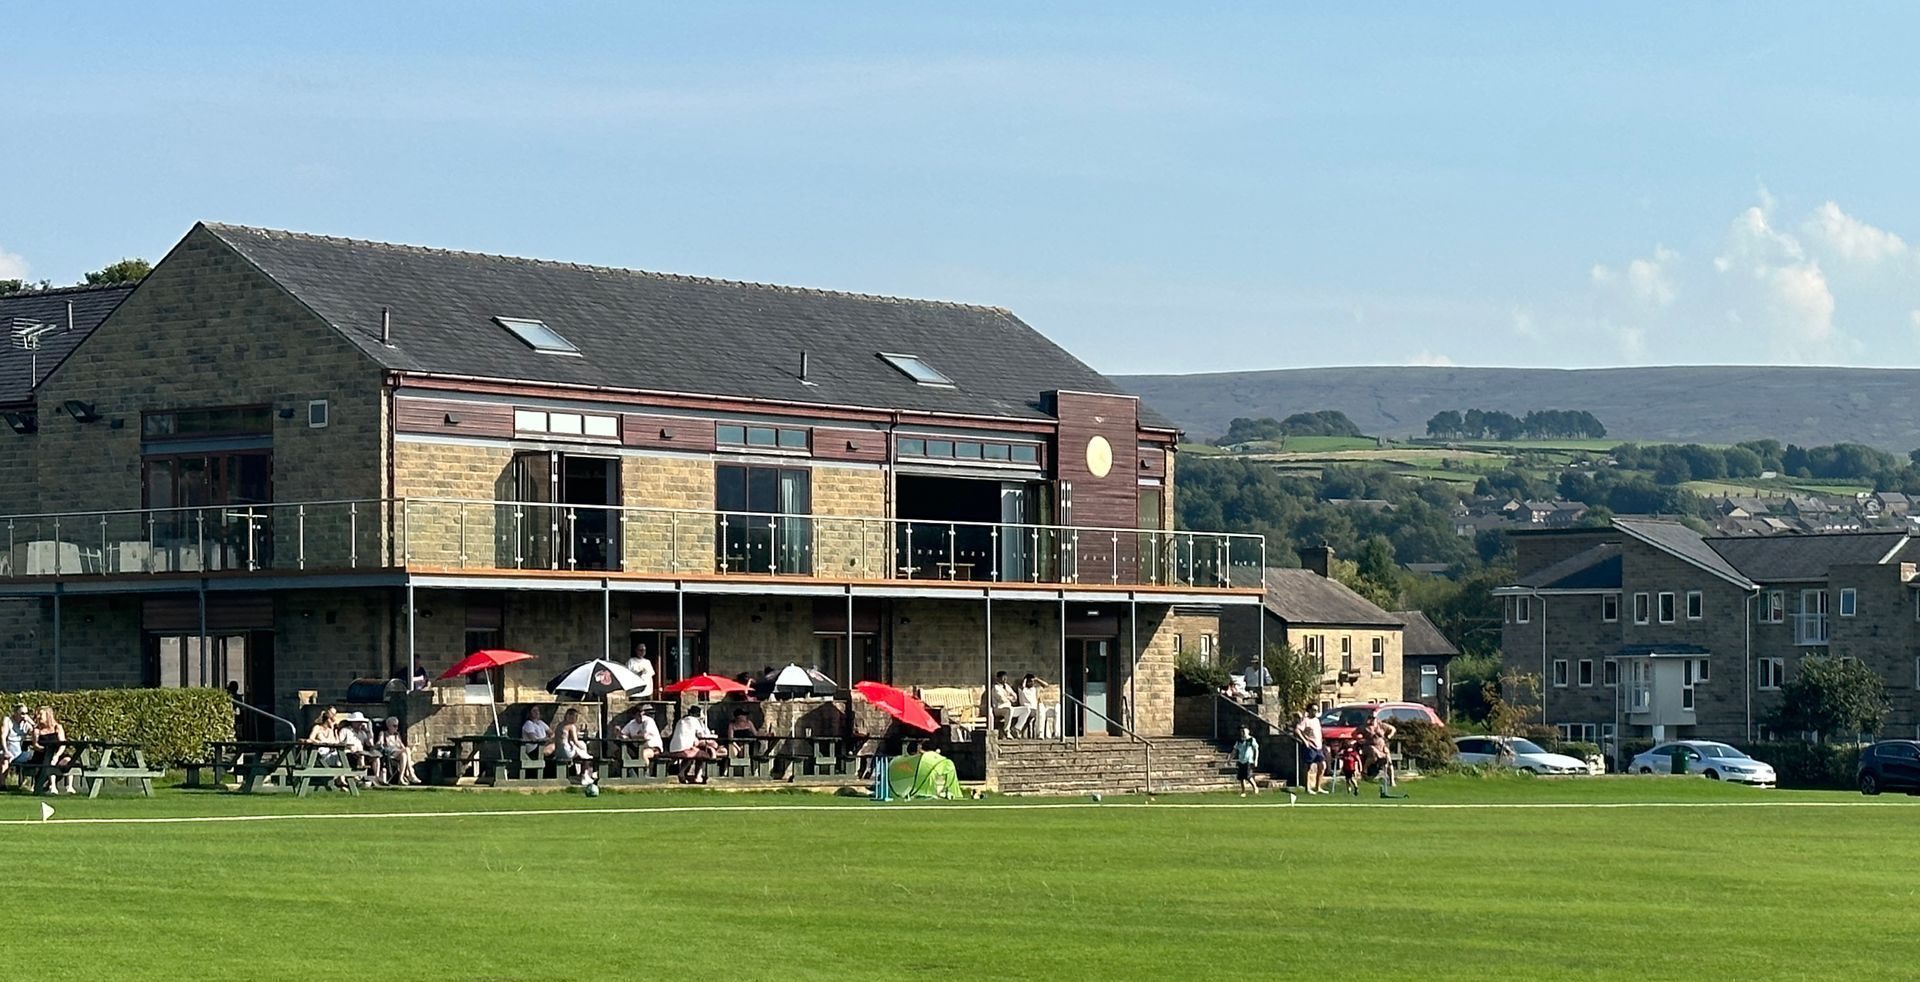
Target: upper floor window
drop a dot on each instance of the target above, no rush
(1609, 607)
(1642, 609)
(1379, 656)
(1773, 608)
(187, 424)
(1523, 609)
(1666, 608)
(916, 368)
(538, 336)
(1696, 605)
(1849, 601)
(987, 451)
(761, 437)
(566, 424)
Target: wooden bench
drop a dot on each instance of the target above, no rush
(193, 770)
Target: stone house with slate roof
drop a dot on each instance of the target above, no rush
(1358, 644)
(304, 460)
(1649, 630)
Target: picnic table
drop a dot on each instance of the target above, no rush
(816, 754)
(300, 764)
(496, 757)
(94, 761)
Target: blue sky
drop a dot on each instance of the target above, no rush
(1157, 188)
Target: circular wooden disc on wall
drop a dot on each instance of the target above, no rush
(1099, 456)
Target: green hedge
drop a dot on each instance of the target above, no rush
(1808, 765)
(173, 725)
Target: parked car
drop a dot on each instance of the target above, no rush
(1890, 765)
(1715, 761)
(1339, 722)
(1517, 753)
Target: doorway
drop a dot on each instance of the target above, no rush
(566, 514)
(1089, 680)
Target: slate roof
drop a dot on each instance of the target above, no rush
(1683, 542)
(91, 305)
(1301, 596)
(1421, 637)
(665, 333)
(1806, 557)
(1597, 568)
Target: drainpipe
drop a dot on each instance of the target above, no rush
(1546, 680)
(1746, 669)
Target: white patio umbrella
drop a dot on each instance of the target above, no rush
(598, 677)
(794, 680)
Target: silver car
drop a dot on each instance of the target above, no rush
(1715, 761)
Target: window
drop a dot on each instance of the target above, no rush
(1206, 649)
(760, 437)
(191, 424)
(1346, 653)
(1610, 672)
(1560, 673)
(538, 336)
(971, 451)
(1429, 681)
(1773, 609)
(1849, 601)
(1179, 645)
(913, 367)
(317, 414)
(1609, 608)
(1606, 736)
(1640, 608)
(1686, 684)
(1666, 608)
(763, 524)
(179, 661)
(566, 424)
(1701, 672)
(1582, 732)
(1379, 656)
(1696, 605)
(1586, 672)
(1772, 673)
(1523, 609)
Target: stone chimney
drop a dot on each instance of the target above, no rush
(1317, 558)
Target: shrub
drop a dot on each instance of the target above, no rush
(1808, 765)
(1193, 677)
(1426, 744)
(173, 725)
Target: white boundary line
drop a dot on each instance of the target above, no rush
(930, 807)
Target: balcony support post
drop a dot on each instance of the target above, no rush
(412, 612)
(680, 623)
(58, 588)
(201, 596)
(1064, 685)
(606, 623)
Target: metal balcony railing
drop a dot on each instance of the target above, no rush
(449, 533)
(1810, 629)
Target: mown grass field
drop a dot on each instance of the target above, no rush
(1505, 878)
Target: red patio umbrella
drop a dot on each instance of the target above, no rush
(706, 683)
(482, 660)
(899, 704)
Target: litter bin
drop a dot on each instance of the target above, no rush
(1679, 761)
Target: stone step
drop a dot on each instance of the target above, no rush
(1109, 766)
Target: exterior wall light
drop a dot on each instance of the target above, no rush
(82, 412)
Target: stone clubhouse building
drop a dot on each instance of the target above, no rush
(1646, 629)
(289, 461)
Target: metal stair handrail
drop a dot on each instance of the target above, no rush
(293, 732)
(1128, 731)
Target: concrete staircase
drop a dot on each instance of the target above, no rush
(1109, 765)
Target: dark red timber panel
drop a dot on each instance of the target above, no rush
(449, 418)
(1098, 459)
(869, 446)
(1153, 461)
(667, 432)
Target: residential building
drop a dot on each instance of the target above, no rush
(1648, 630)
(290, 461)
(1357, 644)
(1426, 660)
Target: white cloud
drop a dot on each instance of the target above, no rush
(1431, 360)
(1648, 280)
(13, 266)
(1800, 310)
(1851, 239)
(1632, 342)
(1523, 324)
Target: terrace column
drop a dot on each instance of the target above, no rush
(56, 634)
(412, 669)
(1063, 667)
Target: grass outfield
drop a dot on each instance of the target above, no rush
(1629, 878)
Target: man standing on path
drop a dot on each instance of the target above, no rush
(1313, 750)
(1246, 757)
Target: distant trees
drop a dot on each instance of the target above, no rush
(1539, 424)
(124, 271)
(1679, 463)
(1325, 422)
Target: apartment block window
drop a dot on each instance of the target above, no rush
(1666, 607)
(1687, 678)
(1346, 654)
(1642, 608)
(1609, 608)
(1702, 672)
(1586, 672)
(1379, 656)
(1696, 605)
(1773, 609)
(1581, 732)
(1771, 673)
(1559, 673)
(1610, 672)
(1523, 609)
(1606, 736)
(1849, 601)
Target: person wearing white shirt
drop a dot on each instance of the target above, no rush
(535, 728)
(1027, 710)
(641, 666)
(640, 728)
(1313, 755)
(16, 742)
(1000, 699)
(694, 744)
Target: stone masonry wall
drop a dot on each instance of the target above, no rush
(444, 534)
(668, 543)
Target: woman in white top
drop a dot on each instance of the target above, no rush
(694, 744)
(396, 758)
(569, 747)
(1030, 703)
(536, 730)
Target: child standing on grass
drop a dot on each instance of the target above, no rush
(1246, 756)
(1350, 765)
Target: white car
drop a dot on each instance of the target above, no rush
(1517, 753)
(1716, 761)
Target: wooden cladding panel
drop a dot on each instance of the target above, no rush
(666, 432)
(225, 613)
(1112, 500)
(446, 417)
(1153, 461)
(869, 446)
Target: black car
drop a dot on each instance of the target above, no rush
(1890, 765)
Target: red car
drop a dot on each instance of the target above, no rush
(1337, 724)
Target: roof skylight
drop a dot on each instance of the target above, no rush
(916, 369)
(538, 335)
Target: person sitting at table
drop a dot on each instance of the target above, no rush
(396, 760)
(693, 744)
(356, 734)
(49, 736)
(536, 730)
(570, 748)
(742, 724)
(16, 740)
(1029, 703)
(999, 704)
(640, 728)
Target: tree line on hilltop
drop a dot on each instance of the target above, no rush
(1538, 424)
(1326, 422)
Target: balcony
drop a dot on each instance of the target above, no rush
(451, 535)
(1810, 629)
